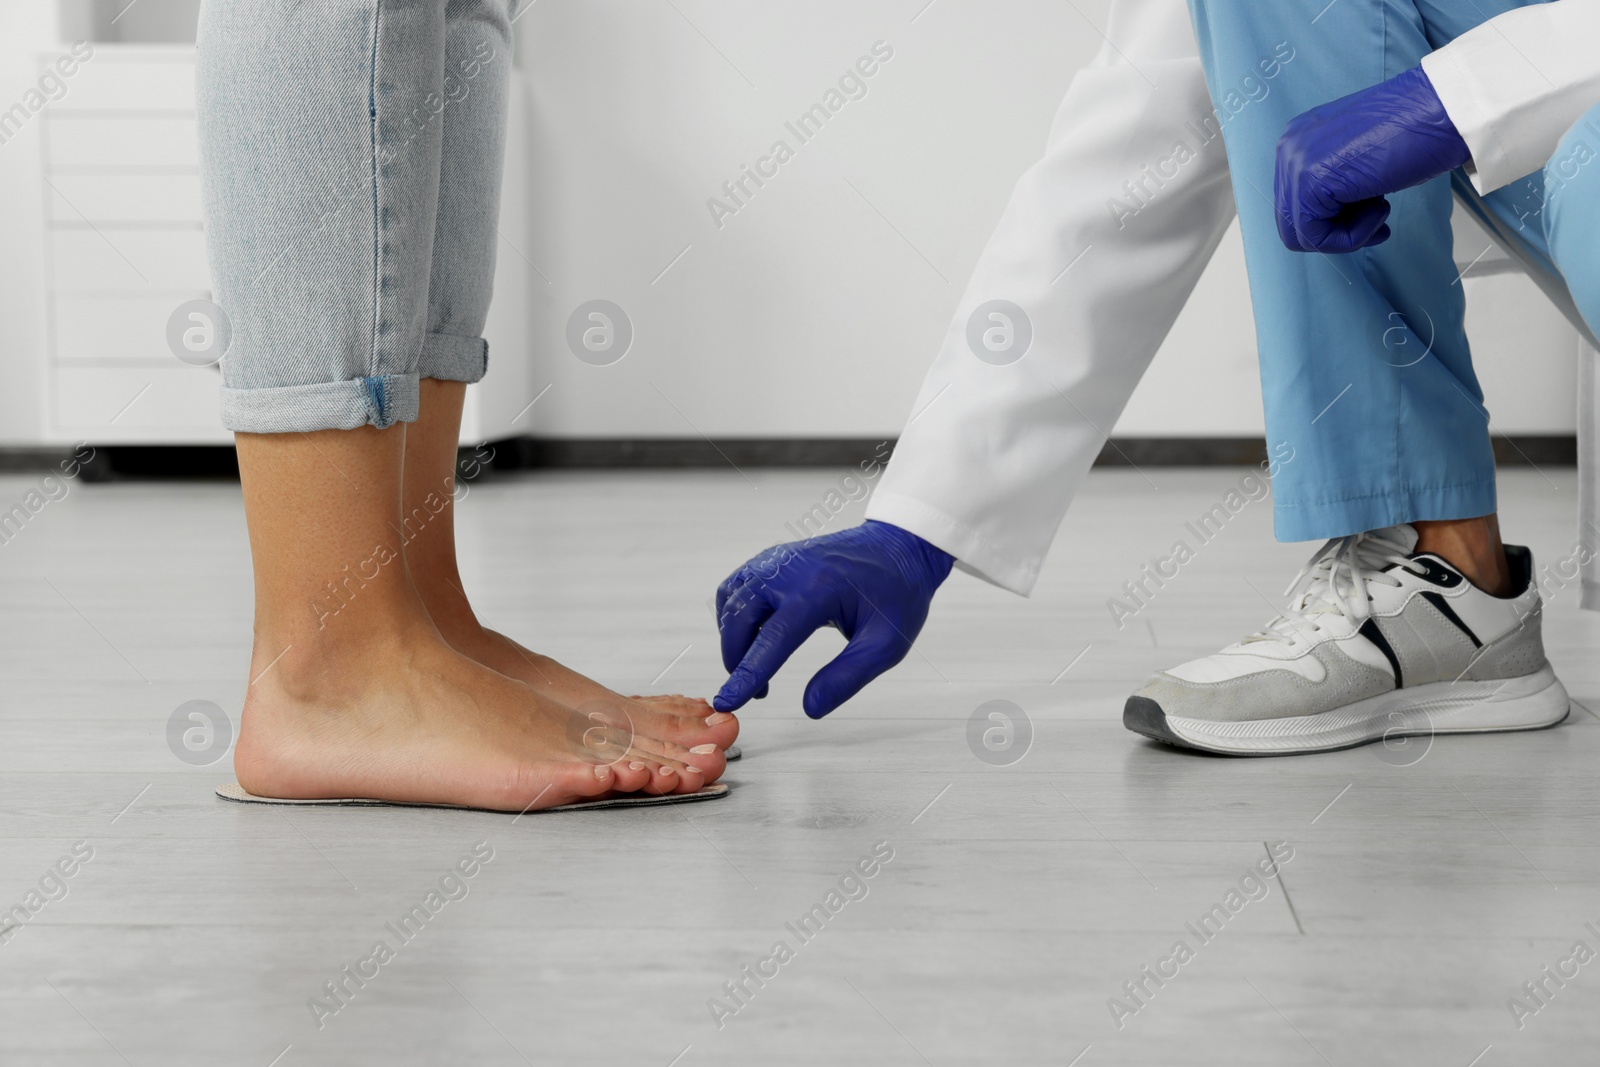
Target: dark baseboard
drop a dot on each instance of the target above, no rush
(527, 453)
(1536, 450)
(171, 461)
(28, 460)
(1182, 452)
(1518, 450)
(1553, 450)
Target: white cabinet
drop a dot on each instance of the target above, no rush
(124, 245)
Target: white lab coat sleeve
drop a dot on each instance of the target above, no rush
(1100, 245)
(1514, 85)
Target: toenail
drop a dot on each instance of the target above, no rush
(703, 750)
(602, 773)
(636, 765)
(718, 718)
(668, 770)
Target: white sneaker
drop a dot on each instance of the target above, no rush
(1378, 641)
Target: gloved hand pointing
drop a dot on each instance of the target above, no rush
(873, 582)
(1336, 162)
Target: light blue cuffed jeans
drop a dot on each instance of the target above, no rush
(351, 157)
(1365, 367)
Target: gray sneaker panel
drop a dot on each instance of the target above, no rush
(1429, 646)
(1273, 694)
(1518, 653)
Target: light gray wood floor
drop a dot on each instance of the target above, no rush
(1422, 892)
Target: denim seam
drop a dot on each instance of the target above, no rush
(377, 214)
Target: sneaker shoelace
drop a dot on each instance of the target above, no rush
(1334, 583)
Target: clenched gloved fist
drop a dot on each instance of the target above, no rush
(1336, 162)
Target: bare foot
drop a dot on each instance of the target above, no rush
(430, 493)
(687, 721)
(410, 719)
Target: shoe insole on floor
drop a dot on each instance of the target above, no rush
(235, 791)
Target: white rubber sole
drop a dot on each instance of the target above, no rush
(1532, 702)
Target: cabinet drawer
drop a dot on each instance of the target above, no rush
(108, 82)
(100, 198)
(177, 403)
(100, 141)
(115, 327)
(128, 260)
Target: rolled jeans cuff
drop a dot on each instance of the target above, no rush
(379, 401)
(452, 358)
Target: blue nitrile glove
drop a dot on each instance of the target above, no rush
(1336, 162)
(872, 582)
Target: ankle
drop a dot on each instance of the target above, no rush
(337, 662)
(1471, 546)
(1491, 578)
(447, 604)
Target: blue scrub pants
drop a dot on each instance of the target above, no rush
(1365, 367)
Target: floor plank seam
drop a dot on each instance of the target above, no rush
(1278, 873)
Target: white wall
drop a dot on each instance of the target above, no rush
(816, 309)
(810, 313)
(23, 27)
(1524, 351)
(144, 22)
(807, 314)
